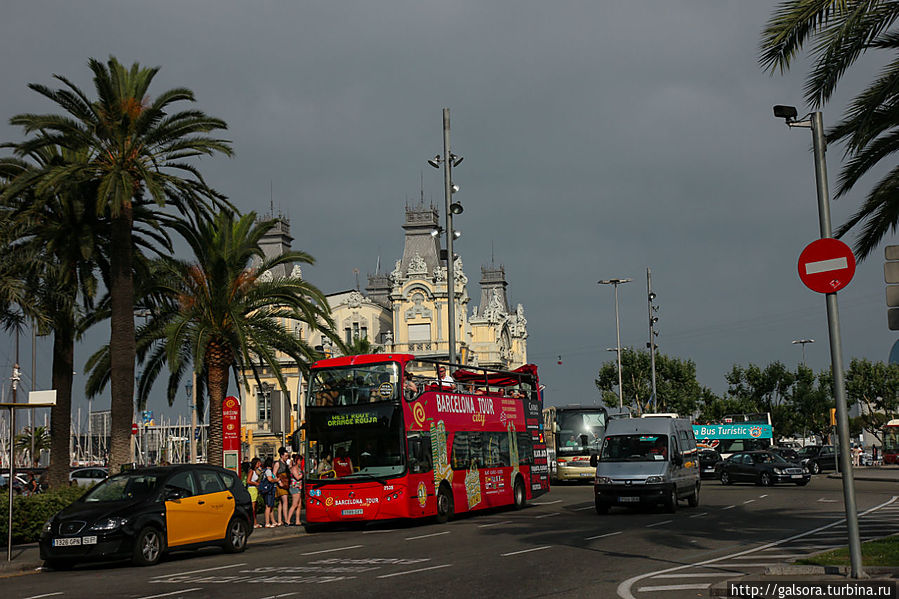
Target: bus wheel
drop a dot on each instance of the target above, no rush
(518, 494)
(444, 505)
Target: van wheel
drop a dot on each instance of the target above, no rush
(693, 499)
(147, 547)
(725, 478)
(602, 507)
(519, 495)
(671, 502)
(444, 504)
(236, 537)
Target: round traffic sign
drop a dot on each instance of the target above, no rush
(134, 429)
(826, 265)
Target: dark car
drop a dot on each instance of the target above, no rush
(818, 457)
(708, 459)
(141, 514)
(762, 468)
(787, 453)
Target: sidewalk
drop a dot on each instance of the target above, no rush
(872, 473)
(26, 558)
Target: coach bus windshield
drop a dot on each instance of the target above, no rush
(354, 385)
(580, 431)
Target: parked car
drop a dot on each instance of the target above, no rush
(88, 477)
(18, 486)
(708, 460)
(762, 468)
(818, 457)
(787, 453)
(143, 513)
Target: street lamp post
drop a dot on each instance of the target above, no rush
(452, 207)
(815, 122)
(803, 342)
(615, 283)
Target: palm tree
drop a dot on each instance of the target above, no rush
(224, 311)
(840, 32)
(137, 153)
(40, 439)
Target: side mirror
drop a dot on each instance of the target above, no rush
(172, 494)
(593, 460)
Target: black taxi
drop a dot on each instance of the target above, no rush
(141, 514)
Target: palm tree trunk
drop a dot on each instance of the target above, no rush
(218, 386)
(121, 339)
(61, 413)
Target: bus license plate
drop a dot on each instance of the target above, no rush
(67, 542)
(629, 499)
(351, 513)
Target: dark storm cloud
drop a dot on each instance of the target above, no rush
(599, 139)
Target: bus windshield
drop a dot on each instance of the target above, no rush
(635, 448)
(356, 443)
(354, 385)
(580, 431)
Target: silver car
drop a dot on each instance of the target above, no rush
(88, 477)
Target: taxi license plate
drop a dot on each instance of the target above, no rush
(351, 513)
(629, 499)
(67, 542)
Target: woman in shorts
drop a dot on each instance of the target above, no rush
(295, 488)
(269, 494)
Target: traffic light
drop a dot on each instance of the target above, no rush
(891, 277)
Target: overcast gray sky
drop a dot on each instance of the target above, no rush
(600, 138)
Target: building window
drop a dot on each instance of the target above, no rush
(419, 333)
(364, 333)
(355, 331)
(264, 403)
(348, 335)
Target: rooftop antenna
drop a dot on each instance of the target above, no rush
(271, 198)
(356, 274)
(421, 186)
(492, 257)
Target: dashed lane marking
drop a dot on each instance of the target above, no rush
(332, 550)
(436, 534)
(198, 571)
(659, 523)
(748, 501)
(676, 587)
(547, 515)
(495, 524)
(525, 551)
(700, 515)
(581, 509)
(414, 571)
(44, 595)
(608, 534)
(279, 596)
(695, 575)
(728, 507)
(170, 594)
(546, 502)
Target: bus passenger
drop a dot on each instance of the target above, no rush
(409, 386)
(343, 465)
(325, 468)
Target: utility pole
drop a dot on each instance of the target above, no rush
(652, 334)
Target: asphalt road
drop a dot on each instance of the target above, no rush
(556, 547)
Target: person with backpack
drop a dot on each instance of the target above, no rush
(267, 488)
(282, 491)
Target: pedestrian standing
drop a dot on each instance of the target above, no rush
(253, 478)
(267, 488)
(282, 490)
(296, 488)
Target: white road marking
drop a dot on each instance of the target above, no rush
(659, 523)
(278, 596)
(608, 534)
(436, 534)
(770, 556)
(624, 588)
(748, 501)
(494, 524)
(331, 550)
(700, 515)
(414, 571)
(747, 565)
(172, 593)
(823, 500)
(525, 551)
(695, 575)
(198, 571)
(44, 595)
(547, 515)
(763, 496)
(581, 509)
(546, 502)
(728, 507)
(675, 587)
(375, 532)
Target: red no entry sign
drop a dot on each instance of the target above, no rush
(133, 429)
(826, 265)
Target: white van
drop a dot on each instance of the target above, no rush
(646, 461)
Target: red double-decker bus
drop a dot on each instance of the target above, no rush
(394, 436)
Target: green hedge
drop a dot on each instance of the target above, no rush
(30, 513)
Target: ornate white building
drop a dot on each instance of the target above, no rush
(403, 312)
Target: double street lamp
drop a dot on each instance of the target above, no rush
(615, 283)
